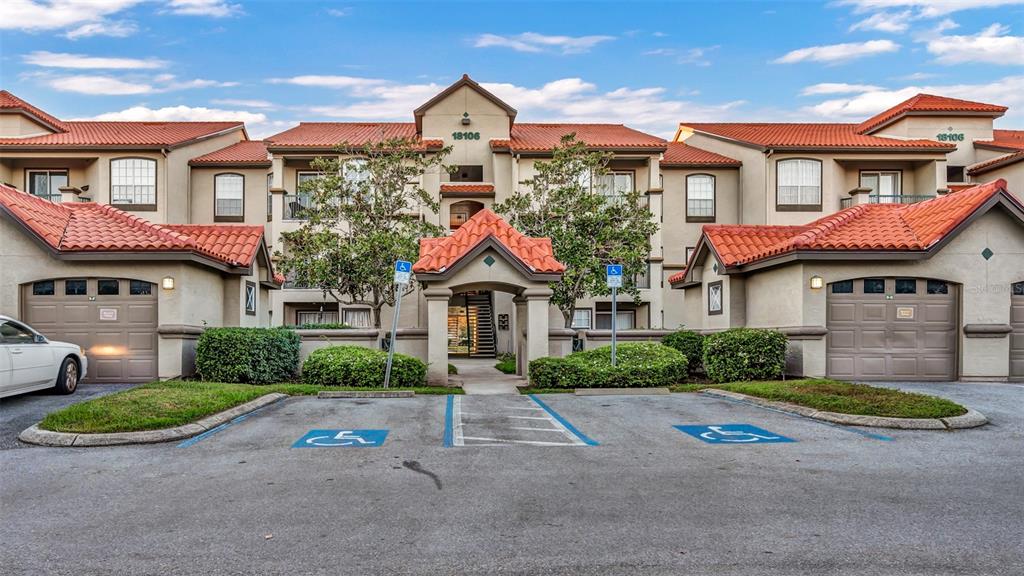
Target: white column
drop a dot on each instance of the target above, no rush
(437, 335)
(519, 326)
(537, 302)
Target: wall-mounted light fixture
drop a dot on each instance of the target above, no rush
(465, 118)
(817, 282)
(168, 283)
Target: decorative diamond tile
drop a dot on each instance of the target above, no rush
(987, 253)
(489, 260)
(715, 267)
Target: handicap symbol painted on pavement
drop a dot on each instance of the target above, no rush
(732, 434)
(342, 439)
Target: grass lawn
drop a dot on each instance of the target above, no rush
(176, 402)
(847, 398)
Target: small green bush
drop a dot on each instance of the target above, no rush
(744, 354)
(452, 369)
(358, 366)
(690, 343)
(247, 355)
(638, 364)
(506, 363)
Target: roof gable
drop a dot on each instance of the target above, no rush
(542, 138)
(930, 105)
(244, 153)
(682, 155)
(11, 104)
(804, 136)
(466, 82)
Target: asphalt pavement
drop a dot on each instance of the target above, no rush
(641, 497)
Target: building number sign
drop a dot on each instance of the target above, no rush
(466, 135)
(950, 137)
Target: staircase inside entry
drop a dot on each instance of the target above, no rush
(471, 325)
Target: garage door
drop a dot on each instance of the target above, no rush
(114, 319)
(1017, 336)
(892, 329)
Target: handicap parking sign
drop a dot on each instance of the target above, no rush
(732, 434)
(342, 439)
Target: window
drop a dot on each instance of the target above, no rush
(250, 298)
(643, 279)
(295, 205)
(133, 183)
(624, 319)
(613, 185)
(874, 286)
(316, 317)
(906, 286)
(700, 198)
(954, 173)
(886, 185)
(356, 317)
(356, 175)
(74, 287)
(44, 288)
(47, 183)
(844, 287)
(270, 197)
(799, 184)
(468, 174)
(940, 287)
(715, 298)
(1018, 289)
(108, 287)
(139, 288)
(689, 253)
(229, 197)
(583, 318)
(14, 333)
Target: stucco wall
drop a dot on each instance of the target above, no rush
(202, 201)
(20, 126)
(929, 127)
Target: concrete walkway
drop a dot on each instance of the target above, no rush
(478, 376)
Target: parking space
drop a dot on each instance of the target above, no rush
(508, 420)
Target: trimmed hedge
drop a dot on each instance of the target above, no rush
(690, 343)
(361, 367)
(744, 354)
(247, 355)
(639, 364)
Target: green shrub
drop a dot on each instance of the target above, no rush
(452, 369)
(744, 354)
(690, 343)
(506, 363)
(323, 326)
(359, 366)
(638, 364)
(247, 355)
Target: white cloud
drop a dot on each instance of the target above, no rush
(1007, 91)
(695, 56)
(112, 28)
(927, 8)
(885, 22)
(262, 104)
(533, 42)
(339, 12)
(180, 114)
(837, 53)
(212, 8)
(322, 81)
(35, 15)
(100, 85)
(83, 61)
(837, 88)
(993, 45)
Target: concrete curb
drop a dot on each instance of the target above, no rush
(972, 419)
(358, 394)
(36, 435)
(657, 391)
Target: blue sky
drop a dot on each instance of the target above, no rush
(647, 64)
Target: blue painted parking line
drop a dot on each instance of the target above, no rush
(558, 418)
(732, 434)
(342, 439)
(864, 433)
(200, 437)
(448, 429)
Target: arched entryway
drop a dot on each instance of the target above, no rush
(461, 212)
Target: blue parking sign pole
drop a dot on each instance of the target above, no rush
(613, 276)
(403, 271)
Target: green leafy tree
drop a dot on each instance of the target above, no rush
(361, 215)
(571, 201)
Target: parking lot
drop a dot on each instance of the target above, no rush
(556, 484)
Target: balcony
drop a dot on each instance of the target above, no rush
(296, 206)
(887, 199)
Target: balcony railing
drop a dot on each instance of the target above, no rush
(296, 206)
(887, 199)
(845, 203)
(50, 197)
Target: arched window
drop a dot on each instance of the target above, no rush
(799, 184)
(229, 197)
(700, 198)
(133, 183)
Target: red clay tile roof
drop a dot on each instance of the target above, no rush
(682, 155)
(89, 227)
(926, 103)
(1003, 140)
(244, 153)
(959, 187)
(806, 136)
(865, 227)
(995, 163)
(11, 103)
(544, 137)
(439, 254)
(332, 134)
(123, 134)
(467, 187)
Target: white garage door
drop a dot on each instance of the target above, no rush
(1017, 336)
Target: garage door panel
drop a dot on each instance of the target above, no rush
(903, 339)
(107, 368)
(141, 341)
(940, 313)
(141, 314)
(936, 366)
(43, 314)
(872, 339)
(873, 312)
(1017, 335)
(843, 312)
(872, 366)
(841, 366)
(141, 367)
(76, 314)
(904, 366)
(843, 339)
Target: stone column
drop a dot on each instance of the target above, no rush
(437, 335)
(538, 300)
(519, 327)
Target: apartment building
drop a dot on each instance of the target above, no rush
(193, 177)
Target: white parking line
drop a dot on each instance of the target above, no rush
(537, 429)
(508, 441)
(516, 424)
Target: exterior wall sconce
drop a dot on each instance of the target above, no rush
(465, 118)
(817, 283)
(168, 283)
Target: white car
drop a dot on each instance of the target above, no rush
(28, 361)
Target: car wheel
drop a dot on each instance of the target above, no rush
(67, 379)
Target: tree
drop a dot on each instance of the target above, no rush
(591, 224)
(361, 215)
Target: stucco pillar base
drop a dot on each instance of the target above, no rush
(538, 300)
(437, 335)
(520, 335)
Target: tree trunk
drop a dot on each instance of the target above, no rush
(568, 316)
